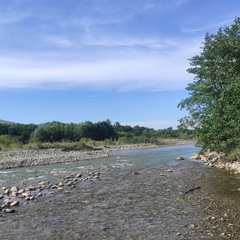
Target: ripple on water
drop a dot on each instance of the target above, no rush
(8, 171)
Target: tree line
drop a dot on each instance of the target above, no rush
(73, 132)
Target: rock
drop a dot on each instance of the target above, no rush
(69, 183)
(61, 184)
(42, 183)
(179, 158)
(14, 189)
(7, 191)
(7, 202)
(31, 188)
(14, 194)
(213, 154)
(14, 203)
(97, 173)
(192, 226)
(21, 196)
(9, 210)
(25, 194)
(195, 156)
(20, 191)
(79, 175)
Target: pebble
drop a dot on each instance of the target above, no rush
(79, 175)
(14, 203)
(20, 191)
(9, 210)
(14, 189)
(31, 188)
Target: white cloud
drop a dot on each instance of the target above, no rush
(58, 40)
(215, 25)
(151, 70)
(157, 43)
(151, 73)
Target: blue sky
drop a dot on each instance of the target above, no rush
(92, 60)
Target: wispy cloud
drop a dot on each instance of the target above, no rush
(156, 43)
(207, 26)
(143, 71)
(58, 40)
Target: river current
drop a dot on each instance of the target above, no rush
(221, 180)
(141, 194)
(131, 158)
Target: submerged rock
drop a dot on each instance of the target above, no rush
(179, 158)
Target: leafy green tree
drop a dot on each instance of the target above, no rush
(214, 101)
(4, 128)
(104, 130)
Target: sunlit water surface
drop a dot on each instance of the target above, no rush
(221, 181)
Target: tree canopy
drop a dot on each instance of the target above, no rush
(214, 101)
(52, 132)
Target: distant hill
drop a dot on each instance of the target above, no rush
(5, 122)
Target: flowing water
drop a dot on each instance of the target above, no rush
(131, 158)
(137, 197)
(222, 181)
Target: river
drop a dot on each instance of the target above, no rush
(141, 194)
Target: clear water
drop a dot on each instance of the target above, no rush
(219, 180)
(132, 158)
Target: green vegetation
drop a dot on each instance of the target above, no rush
(86, 134)
(214, 101)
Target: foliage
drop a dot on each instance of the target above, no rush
(79, 135)
(214, 101)
(8, 142)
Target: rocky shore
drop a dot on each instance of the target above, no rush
(32, 157)
(26, 158)
(215, 159)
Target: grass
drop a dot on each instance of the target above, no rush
(83, 144)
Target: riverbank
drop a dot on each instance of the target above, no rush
(33, 157)
(219, 160)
